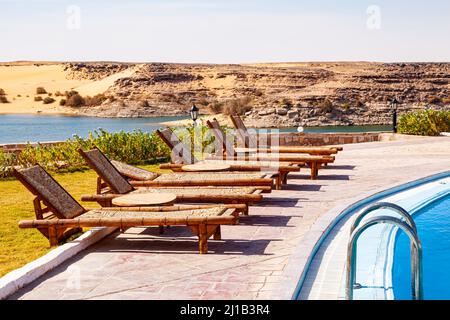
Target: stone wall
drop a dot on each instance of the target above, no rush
(322, 139)
(17, 147)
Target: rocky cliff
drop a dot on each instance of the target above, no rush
(279, 94)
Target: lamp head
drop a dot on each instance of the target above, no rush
(194, 112)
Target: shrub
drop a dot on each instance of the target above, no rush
(216, 107)
(48, 100)
(237, 106)
(346, 106)
(424, 122)
(58, 94)
(7, 162)
(286, 102)
(75, 100)
(258, 93)
(62, 102)
(134, 147)
(2, 92)
(95, 100)
(326, 106)
(3, 99)
(40, 90)
(434, 100)
(38, 98)
(70, 93)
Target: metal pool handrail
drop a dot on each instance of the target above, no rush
(416, 248)
(385, 205)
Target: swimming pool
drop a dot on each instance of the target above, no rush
(383, 265)
(433, 226)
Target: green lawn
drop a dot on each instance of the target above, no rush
(20, 246)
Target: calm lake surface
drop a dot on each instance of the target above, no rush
(41, 128)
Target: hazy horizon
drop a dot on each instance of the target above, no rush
(223, 32)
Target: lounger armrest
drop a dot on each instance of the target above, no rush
(171, 166)
(200, 183)
(128, 222)
(237, 207)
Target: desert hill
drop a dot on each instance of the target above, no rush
(279, 94)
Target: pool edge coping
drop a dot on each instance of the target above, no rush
(295, 271)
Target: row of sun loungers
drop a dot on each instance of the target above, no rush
(203, 200)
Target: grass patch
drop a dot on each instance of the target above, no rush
(21, 246)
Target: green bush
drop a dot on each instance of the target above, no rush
(7, 162)
(134, 147)
(424, 122)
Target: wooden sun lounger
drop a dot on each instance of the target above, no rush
(112, 184)
(228, 151)
(182, 155)
(59, 215)
(248, 141)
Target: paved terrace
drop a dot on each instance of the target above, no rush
(249, 261)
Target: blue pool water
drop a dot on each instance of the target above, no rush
(433, 225)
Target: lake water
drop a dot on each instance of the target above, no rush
(41, 128)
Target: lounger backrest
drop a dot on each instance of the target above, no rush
(48, 190)
(133, 172)
(223, 144)
(180, 152)
(105, 170)
(245, 138)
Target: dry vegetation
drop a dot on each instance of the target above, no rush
(3, 98)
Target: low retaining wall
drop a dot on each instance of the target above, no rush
(18, 147)
(322, 139)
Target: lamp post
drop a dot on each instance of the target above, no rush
(194, 113)
(394, 104)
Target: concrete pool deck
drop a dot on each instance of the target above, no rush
(250, 260)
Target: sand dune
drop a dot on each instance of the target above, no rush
(20, 80)
(96, 87)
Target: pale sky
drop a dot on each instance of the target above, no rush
(220, 31)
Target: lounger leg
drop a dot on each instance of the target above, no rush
(161, 229)
(285, 175)
(53, 236)
(278, 181)
(245, 212)
(218, 233)
(314, 170)
(202, 239)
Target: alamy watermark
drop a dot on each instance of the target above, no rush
(373, 17)
(73, 19)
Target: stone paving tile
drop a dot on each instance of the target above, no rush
(249, 261)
